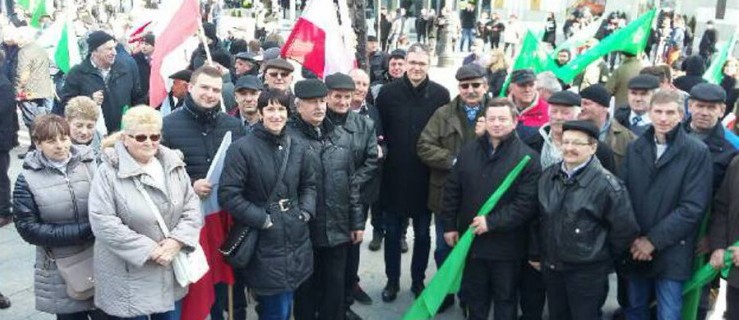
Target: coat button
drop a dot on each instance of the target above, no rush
(577, 230)
(551, 266)
(682, 242)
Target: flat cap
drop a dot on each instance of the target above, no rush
(248, 82)
(279, 63)
(523, 76)
(598, 94)
(310, 88)
(644, 82)
(339, 81)
(565, 99)
(371, 39)
(271, 53)
(183, 75)
(469, 71)
(397, 53)
(584, 126)
(248, 56)
(708, 92)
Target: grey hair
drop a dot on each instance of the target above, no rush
(548, 81)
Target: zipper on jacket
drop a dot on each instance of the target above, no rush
(74, 202)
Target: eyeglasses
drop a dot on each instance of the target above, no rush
(467, 85)
(143, 137)
(576, 143)
(281, 74)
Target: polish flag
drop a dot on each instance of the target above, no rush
(173, 39)
(322, 39)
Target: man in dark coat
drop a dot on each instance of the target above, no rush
(110, 81)
(669, 176)
(724, 231)
(405, 107)
(707, 46)
(197, 129)
(633, 115)
(8, 141)
(338, 222)
(385, 26)
(694, 67)
(143, 60)
(493, 269)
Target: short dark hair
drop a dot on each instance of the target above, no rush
(503, 102)
(49, 127)
(206, 70)
(663, 72)
(273, 96)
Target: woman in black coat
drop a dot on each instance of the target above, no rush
(550, 30)
(283, 258)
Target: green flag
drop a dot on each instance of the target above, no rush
(714, 74)
(578, 39)
(61, 53)
(632, 39)
(532, 55)
(26, 4)
(691, 299)
(707, 273)
(37, 13)
(449, 277)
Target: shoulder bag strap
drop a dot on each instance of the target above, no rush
(153, 207)
(281, 174)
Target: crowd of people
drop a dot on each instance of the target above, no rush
(625, 164)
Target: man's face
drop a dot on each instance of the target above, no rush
(179, 88)
(361, 88)
(312, 111)
(563, 57)
(242, 67)
(339, 101)
(592, 111)
(639, 100)
(105, 54)
(524, 93)
(418, 66)
(396, 67)
(278, 78)
(372, 46)
(206, 90)
(705, 115)
(472, 91)
(665, 116)
(577, 148)
(147, 49)
(499, 122)
(558, 115)
(247, 100)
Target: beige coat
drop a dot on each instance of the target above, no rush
(619, 138)
(33, 72)
(128, 284)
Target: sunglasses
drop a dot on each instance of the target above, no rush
(281, 74)
(467, 85)
(143, 137)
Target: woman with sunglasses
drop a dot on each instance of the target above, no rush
(134, 278)
(50, 208)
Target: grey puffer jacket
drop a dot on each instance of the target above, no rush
(127, 283)
(50, 208)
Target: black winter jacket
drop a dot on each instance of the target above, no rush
(603, 152)
(474, 177)
(197, 133)
(405, 110)
(669, 196)
(338, 208)
(584, 220)
(722, 152)
(123, 88)
(284, 256)
(363, 147)
(371, 192)
(9, 120)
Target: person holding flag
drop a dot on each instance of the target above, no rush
(492, 271)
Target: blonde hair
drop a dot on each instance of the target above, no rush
(141, 115)
(82, 107)
(498, 60)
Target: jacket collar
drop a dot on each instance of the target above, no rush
(715, 141)
(261, 132)
(583, 177)
(647, 147)
(504, 145)
(418, 89)
(119, 158)
(327, 128)
(116, 69)
(199, 113)
(36, 160)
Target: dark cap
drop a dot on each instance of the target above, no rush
(598, 94)
(248, 56)
(584, 126)
(148, 39)
(397, 53)
(523, 76)
(371, 39)
(183, 75)
(97, 39)
(469, 71)
(644, 82)
(271, 53)
(279, 63)
(564, 99)
(708, 92)
(248, 82)
(310, 88)
(339, 81)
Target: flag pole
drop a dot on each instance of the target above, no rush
(204, 41)
(230, 302)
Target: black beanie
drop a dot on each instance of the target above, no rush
(96, 39)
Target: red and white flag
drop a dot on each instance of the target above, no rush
(320, 41)
(173, 37)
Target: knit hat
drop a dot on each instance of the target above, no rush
(97, 39)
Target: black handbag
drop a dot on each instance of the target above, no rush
(241, 242)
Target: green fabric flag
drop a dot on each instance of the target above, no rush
(714, 74)
(37, 13)
(692, 299)
(26, 4)
(707, 273)
(632, 39)
(449, 277)
(61, 53)
(532, 55)
(578, 39)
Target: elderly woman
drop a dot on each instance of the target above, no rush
(133, 257)
(50, 208)
(279, 209)
(82, 113)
